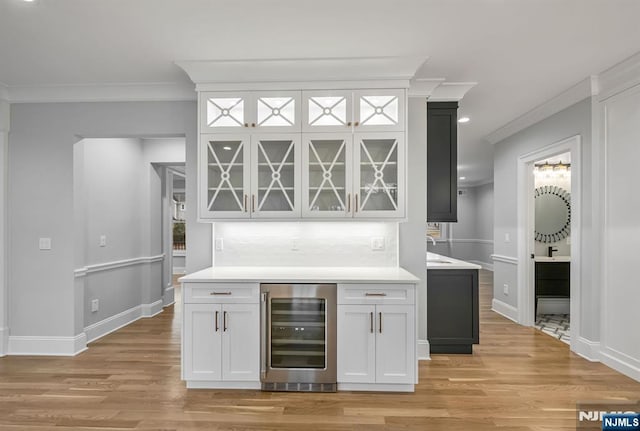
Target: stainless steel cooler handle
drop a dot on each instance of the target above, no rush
(263, 334)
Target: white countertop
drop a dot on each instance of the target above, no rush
(437, 261)
(553, 259)
(292, 274)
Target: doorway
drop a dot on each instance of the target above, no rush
(549, 231)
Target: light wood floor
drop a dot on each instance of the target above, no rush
(517, 379)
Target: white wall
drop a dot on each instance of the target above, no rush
(471, 238)
(318, 243)
(412, 232)
(619, 120)
(4, 139)
(43, 297)
(575, 120)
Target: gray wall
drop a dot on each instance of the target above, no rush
(412, 245)
(43, 297)
(575, 120)
(4, 140)
(471, 238)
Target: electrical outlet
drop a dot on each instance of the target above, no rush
(295, 244)
(507, 237)
(505, 289)
(45, 243)
(377, 243)
(219, 244)
(95, 305)
(103, 240)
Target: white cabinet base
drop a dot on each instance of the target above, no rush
(379, 387)
(221, 384)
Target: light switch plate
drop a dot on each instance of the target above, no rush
(507, 237)
(103, 240)
(45, 243)
(219, 244)
(505, 289)
(95, 305)
(295, 244)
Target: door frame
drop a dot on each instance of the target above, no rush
(526, 245)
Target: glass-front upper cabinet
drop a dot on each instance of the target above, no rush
(327, 111)
(379, 178)
(224, 176)
(234, 111)
(379, 110)
(275, 176)
(327, 175)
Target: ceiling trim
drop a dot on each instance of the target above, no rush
(298, 85)
(423, 87)
(620, 77)
(284, 70)
(582, 90)
(133, 92)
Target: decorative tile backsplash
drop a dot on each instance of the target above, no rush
(305, 244)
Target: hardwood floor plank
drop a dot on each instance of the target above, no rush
(517, 379)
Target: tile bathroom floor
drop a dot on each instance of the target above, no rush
(556, 325)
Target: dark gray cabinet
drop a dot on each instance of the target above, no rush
(442, 161)
(453, 324)
(553, 280)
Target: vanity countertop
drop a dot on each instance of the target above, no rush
(437, 261)
(553, 259)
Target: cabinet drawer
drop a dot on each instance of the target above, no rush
(376, 294)
(220, 293)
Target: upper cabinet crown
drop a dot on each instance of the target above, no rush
(302, 154)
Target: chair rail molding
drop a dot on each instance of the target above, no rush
(105, 266)
(504, 259)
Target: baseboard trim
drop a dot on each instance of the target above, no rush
(179, 270)
(424, 350)
(504, 309)
(120, 320)
(590, 350)
(554, 305)
(153, 309)
(47, 346)
(384, 387)
(210, 384)
(169, 297)
(4, 341)
(620, 362)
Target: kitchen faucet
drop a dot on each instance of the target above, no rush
(550, 250)
(433, 241)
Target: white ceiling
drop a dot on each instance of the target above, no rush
(520, 52)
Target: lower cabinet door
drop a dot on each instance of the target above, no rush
(241, 342)
(395, 344)
(202, 343)
(356, 343)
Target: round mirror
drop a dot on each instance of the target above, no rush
(553, 214)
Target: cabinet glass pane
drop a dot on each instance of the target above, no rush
(327, 174)
(225, 112)
(276, 111)
(327, 111)
(378, 110)
(298, 333)
(276, 175)
(225, 167)
(378, 174)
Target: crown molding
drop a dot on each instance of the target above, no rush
(130, 92)
(451, 91)
(620, 77)
(301, 70)
(582, 90)
(423, 87)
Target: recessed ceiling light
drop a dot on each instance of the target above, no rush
(463, 120)
(463, 178)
